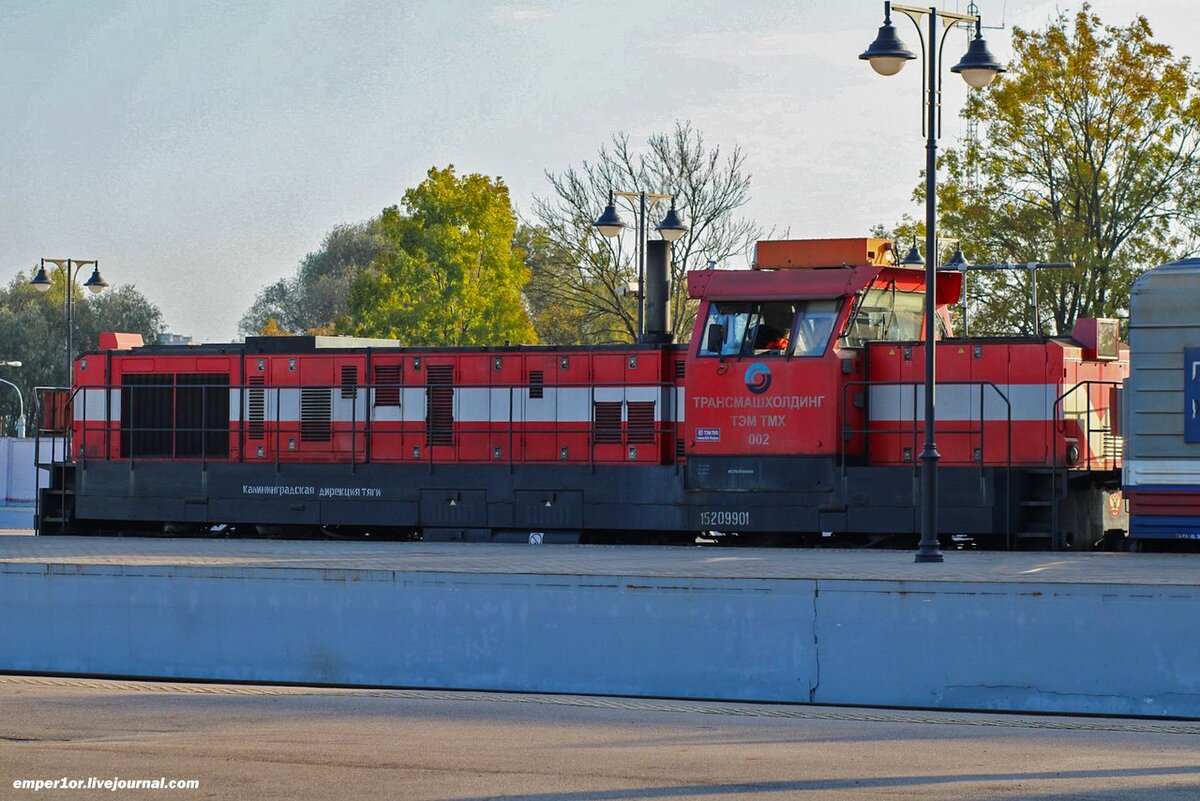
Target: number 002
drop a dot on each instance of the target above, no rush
(759, 439)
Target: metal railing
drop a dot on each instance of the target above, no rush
(366, 437)
(1111, 444)
(915, 428)
(1110, 450)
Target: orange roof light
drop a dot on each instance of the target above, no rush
(785, 254)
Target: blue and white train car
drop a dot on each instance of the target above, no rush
(1161, 405)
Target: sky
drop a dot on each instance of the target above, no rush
(199, 150)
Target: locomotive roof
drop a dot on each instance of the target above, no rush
(814, 283)
(308, 344)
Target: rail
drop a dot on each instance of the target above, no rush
(917, 426)
(1110, 444)
(506, 425)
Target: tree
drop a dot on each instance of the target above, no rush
(1091, 154)
(312, 299)
(33, 332)
(578, 275)
(449, 273)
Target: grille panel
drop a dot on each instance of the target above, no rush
(349, 381)
(439, 405)
(387, 385)
(606, 425)
(316, 412)
(641, 422)
(256, 409)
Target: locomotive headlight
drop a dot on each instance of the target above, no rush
(1072, 452)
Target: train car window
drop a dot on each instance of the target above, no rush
(885, 314)
(770, 328)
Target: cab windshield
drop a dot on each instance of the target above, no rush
(885, 314)
(771, 328)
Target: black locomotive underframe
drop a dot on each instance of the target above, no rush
(452, 501)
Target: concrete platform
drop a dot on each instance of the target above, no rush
(1095, 633)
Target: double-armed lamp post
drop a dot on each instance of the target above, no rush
(671, 228)
(978, 67)
(70, 269)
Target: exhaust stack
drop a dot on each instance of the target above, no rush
(657, 298)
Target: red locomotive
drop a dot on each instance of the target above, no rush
(792, 416)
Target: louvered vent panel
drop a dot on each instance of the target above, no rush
(256, 409)
(680, 449)
(349, 381)
(439, 405)
(680, 369)
(641, 422)
(536, 382)
(316, 408)
(607, 422)
(387, 385)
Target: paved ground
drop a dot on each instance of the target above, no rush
(708, 562)
(250, 742)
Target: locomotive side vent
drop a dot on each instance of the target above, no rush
(680, 369)
(316, 412)
(606, 416)
(641, 422)
(201, 415)
(536, 381)
(349, 381)
(147, 419)
(387, 385)
(256, 408)
(439, 405)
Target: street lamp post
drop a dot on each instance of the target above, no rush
(70, 269)
(20, 399)
(610, 225)
(887, 56)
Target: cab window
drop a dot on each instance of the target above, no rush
(771, 328)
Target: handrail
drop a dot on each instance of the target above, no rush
(1060, 422)
(1058, 411)
(915, 385)
(67, 435)
(664, 426)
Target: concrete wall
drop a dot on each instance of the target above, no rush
(1079, 648)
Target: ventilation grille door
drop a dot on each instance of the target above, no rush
(316, 410)
(641, 422)
(202, 416)
(147, 416)
(537, 381)
(349, 381)
(387, 385)
(606, 426)
(256, 409)
(439, 405)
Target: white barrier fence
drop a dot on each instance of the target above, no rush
(19, 481)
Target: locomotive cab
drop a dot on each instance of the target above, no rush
(775, 349)
(806, 376)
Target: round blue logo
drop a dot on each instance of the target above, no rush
(758, 378)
